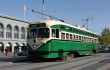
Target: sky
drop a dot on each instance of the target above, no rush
(71, 11)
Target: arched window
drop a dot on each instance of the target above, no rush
(16, 32)
(8, 32)
(1, 30)
(22, 33)
(1, 47)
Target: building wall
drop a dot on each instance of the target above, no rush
(12, 41)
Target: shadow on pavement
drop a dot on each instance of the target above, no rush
(11, 58)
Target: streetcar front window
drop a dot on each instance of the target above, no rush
(43, 33)
(32, 33)
(39, 33)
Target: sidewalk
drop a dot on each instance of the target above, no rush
(11, 58)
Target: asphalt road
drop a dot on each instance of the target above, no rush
(99, 61)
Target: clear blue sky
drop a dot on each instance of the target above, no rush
(72, 11)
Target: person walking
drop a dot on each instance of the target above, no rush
(6, 51)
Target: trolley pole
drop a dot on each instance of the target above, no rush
(86, 21)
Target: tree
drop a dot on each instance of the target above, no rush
(106, 30)
(104, 39)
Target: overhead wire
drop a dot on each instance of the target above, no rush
(79, 9)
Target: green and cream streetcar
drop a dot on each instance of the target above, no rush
(57, 39)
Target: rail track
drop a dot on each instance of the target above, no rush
(67, 62)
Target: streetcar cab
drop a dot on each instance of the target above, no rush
(38, 33)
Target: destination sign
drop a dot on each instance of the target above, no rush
(37, 25)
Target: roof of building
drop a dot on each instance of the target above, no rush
(14, 18)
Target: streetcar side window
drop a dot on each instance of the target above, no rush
(91, 40)
(67, 36)
(63, 36)
(96, 40)
(79, 38)
(83, 38)
(76, 37)
(55, 33)
(71, 37)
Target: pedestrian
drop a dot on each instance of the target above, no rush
(6, 52)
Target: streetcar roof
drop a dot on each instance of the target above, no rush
(57, 22)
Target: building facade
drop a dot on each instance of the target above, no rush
(13, 34)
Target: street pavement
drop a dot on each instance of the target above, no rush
(99, 61)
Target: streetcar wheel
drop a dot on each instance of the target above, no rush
(92, 54)
(69, 56)
(72, 55)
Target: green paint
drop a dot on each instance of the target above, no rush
(59, 48)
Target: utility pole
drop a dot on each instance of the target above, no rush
(42, 9)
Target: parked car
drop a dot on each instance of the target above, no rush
(21, 53)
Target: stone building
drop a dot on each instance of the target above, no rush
(13, 34)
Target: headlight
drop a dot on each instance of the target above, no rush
(34, 46)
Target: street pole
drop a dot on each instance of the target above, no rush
(14, 55)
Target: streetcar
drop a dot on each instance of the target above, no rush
(57, 39)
